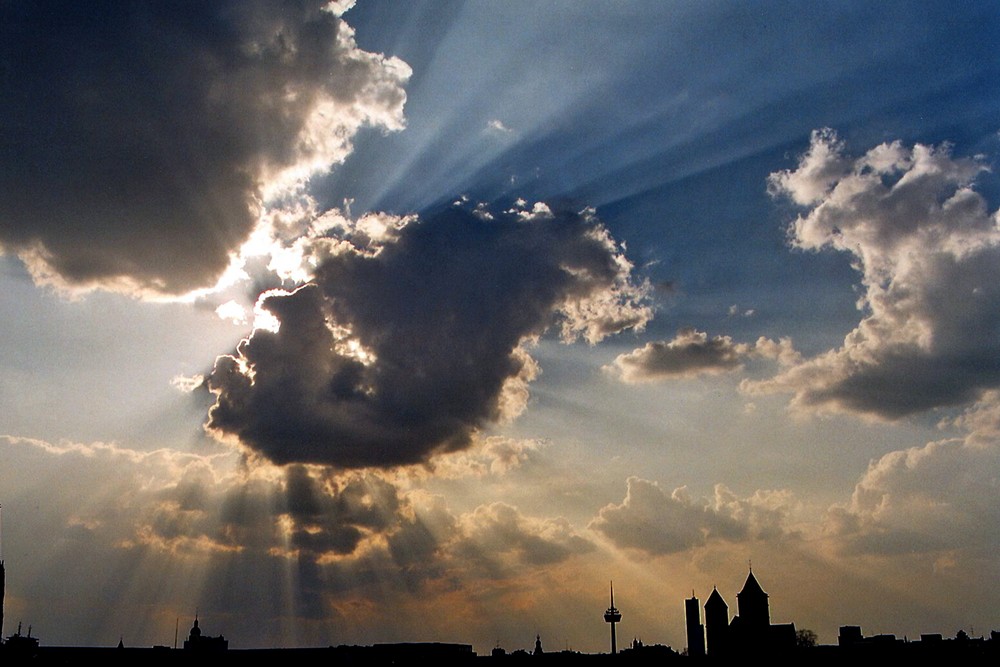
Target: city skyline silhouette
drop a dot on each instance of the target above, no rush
(749, 633)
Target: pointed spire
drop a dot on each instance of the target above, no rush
(715, 599)
(752, 587)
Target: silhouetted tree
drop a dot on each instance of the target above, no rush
(805, 638)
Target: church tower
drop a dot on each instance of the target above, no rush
(752, 604)
(716, 624)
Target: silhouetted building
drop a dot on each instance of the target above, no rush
(22, 646)
(412, 653)
(849, 634)
(197, 642)
(752, 605)
(695, 629)
(538, 645)
(716, 624)
(751, 630)
(850, 637)
(641, 654)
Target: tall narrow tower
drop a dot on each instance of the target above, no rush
(612, 616)
(695, 629)
(3, 574)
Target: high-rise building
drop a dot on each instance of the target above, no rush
(695, 629)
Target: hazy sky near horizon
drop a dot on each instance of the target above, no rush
(352, 323)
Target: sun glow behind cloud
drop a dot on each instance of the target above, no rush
(170, 172)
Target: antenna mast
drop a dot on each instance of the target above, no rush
(612, 616)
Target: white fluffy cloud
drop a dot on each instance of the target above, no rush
(139, 142)
(928, 251)
(655, 522)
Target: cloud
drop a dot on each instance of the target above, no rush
(506, 454)
(140, 142)
(928, 251)
(494, 455)
(692, 353)
(328, 514)
(232, 312)
(937, 498)
(187, 383)
(734, 311)
(397, 352)
(655, 522)
(500, 537)
(190, 505)
(361, 556)
(981, 421)
(236, 538)
(496, 126)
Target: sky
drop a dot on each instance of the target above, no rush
(347, 323)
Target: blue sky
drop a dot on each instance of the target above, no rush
(532, 295)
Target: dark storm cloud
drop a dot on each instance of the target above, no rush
(137, 137)
(386, 358)
(928, 251)
(332, 515)
(301, 493)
